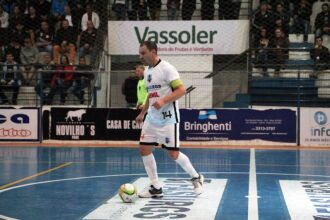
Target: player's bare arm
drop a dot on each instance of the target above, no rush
(144, 110)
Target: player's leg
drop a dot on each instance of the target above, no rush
(148, 140)
(172, 145)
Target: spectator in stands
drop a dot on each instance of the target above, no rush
(71, 17)
(10, 79)
(45, 38)
(142, 92)
(135, 9)
(90, 15)
(119, 7)
(263, 54)
(322, 21)
(15, 16)
(29, 58)
(207, 9)
(65, 41)
(188, 8)
(4, 34)
(282, 18)
(15, 48)
(82, 78)
(173, 9)
(8, 5)
(79, 10)
(57, 7)
(263, 17)
(280, 44)
(4, 18)
(19, 33)
(154, 9)
(32, 22)
(45, 74)
(61, 80)
(320, 55)
(129, 90)
(43, 7)
(301, 18)
(229, 9)
(87, 40)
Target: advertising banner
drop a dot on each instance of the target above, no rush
(19, 124)
(94, 124)
(243, 124)
(180, 37)
(315, 127)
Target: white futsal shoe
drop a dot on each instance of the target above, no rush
(198, 184)
(151, 192)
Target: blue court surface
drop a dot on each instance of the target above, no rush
(82, 183)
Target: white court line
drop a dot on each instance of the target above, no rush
(253, 193)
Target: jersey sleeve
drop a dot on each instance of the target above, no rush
(171, 74)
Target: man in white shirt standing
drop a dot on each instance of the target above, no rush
(161, 124)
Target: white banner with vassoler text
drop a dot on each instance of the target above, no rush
(179, 37)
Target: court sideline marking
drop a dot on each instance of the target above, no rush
(253, 196)
(34, 175)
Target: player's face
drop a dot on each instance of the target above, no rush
(145, 55)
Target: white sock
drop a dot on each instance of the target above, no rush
(185, 163)
(151, 169)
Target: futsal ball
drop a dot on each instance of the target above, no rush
(128, 193)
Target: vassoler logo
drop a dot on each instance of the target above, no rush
(203, 115)
(320, 118)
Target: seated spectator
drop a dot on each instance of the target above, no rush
(71, 17)
(154, 9)
(90, 15)
(45, 38)
(43, 7)
(119, 7)
(207, 9)
(19, 33)
(188, 8)
(263, 17)
(29, 58)
(45, 74)
(82, 78)
(87, 40)
(282, 18)
(32, 22)
(65, 41)
(301, 18)
(15, 48)
(57, 7)
(263, 55)
(8, 5)
(16, 16)
(61, 80)
(173, 9)
(137, 8)
(322, 21)
(229, 9)
(10, 79)
(280, 44)
(262, 34)
(4, 18)
(4, 34)
(320, 55)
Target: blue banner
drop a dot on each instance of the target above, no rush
(242, 124)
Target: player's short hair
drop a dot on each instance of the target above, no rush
(151, 45)
(139, 66)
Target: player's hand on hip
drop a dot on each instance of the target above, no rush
(158, 104)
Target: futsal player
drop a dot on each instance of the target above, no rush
(161, 124)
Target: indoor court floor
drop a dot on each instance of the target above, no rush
(82, 183)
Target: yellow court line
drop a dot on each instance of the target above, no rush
(34, 175)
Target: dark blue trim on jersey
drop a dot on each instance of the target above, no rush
(157, 63)
(175, 113)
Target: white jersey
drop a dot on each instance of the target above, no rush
(158, 80)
